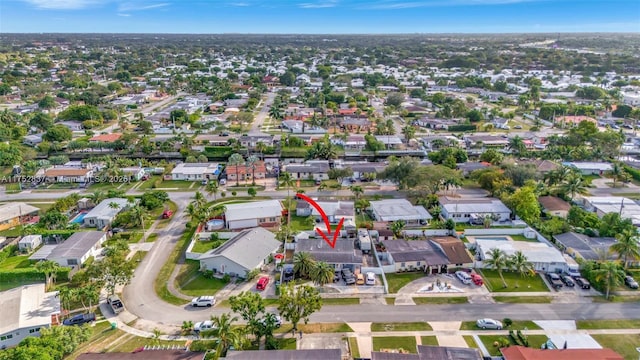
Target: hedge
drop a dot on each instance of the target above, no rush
(30, 274)
(462, 127)
(635, 174)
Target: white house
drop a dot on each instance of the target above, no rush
(468, 210)
(25, 311)
(29, 243)
(104, 214)
(311, 170)
(78, 248)
(134, 173)
(390, 210)
(248, 250)
(542, 256)
(590, 168)
(258, 213)
(195, 171)
(602, 205)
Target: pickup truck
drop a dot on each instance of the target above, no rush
(80, 319)
(116, 304)
(555, 280)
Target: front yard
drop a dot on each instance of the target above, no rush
(625, 345)
(517, 325)
(515, 282)
(407, 343)
(409, 326)
(397, 281)
(201, 285)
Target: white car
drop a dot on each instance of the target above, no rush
(489, 324)
(370, 278)
(207, 301)
(203, 326)
(464, 277)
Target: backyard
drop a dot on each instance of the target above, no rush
(515, 282)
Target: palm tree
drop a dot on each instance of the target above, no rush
(96, 197)
(156, 336)
(303, 263)
(574, 185)
(275, 112)
(409, 132)
(362, 204)
(519, 263)
(186, 327)
(114, 205)
(397, 227)
(610, 275)
(616, 173)
(226, 334)
(212, 188)
(516, 144)
(261, 148)
(322, 273)
(288, 181)
(200, 200)
(627, 246)
(235, 160)
(252, 163)
(50, 269)
(357, 191)
(139, 215)
(497, 260)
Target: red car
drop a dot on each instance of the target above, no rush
(477, 279)
(262, 283)
(167, 214)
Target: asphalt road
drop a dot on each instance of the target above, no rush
(262, 114)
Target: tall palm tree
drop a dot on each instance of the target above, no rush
(96, 197)
(397, 227)
(357, 191)
(610, 274)
(226, 334)
(114, 205)
(200, 199)
(288, 181)
(627, 246)
(322, 273)
(516, 144)
(212, 188)
(252, 163)
(49, 268)
(409, 132)
(139, 215)
(261, 148)
(497, 260)
(574, 185)
(236, 160)
(519, 263)
(616, 173)
(303, 263)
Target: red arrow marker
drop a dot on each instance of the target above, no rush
(331, 242)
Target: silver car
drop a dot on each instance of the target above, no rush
(489, 324)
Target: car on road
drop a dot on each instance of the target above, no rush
(222, 182)
(630, 282)
(582, 282)
(205, 300)
(277, 320)
(80, 319)
(203, 326)
(489, 324)
(262, 283)
(167, 214)
(464, 277)
(554, 280)
(568, 281)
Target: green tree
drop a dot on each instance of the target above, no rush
(49, 269)
(114, 270)
(409, 132)
(249, 306)
(610, 275)
(226, 334)
(47, 102)
(525, 204)
(397, 227)
(357, 191)
(41, 121)
(322, 273)
(519, 263)
(497, 260)
(303, 263)
(236, 160)
(492, 156)
(212, 188)
(54, 220)
(58, 133)
(297, 303)
(252, 192)
(627, 247)
(287, 181)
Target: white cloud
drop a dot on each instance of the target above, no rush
(65, 4)
(239, 4)
(391, 4)
(319, 5)
(124, 15)
(140, 5)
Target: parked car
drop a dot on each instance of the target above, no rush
(489, 324)
(222, 182)
(203, 326)
(277, 318)
(346, 272)
(336, 276)
(477, 279)
(464, 277)
(116, 304)
(568, 281)
(630, 282)
(262, 283)
(206, 300)
(360, 279)
(350, 280)
(371, 278)
(167, 214)
(554, 280)
(582, 282)
(287, 275)
(80, 319)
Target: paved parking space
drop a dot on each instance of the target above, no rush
(422, 285)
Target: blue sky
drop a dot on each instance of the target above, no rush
(319, 16)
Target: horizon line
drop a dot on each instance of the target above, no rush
(321, 34)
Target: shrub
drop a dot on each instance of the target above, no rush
(507, 322)
(202, 346)
(226, 278)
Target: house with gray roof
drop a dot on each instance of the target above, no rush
(585, 246)
(265, 213)
(306, 354)
(414, 255)
(103, 215)
(335, 210)
(463, 210)
(344, 252)
(389, 210)
(248, 250)
(25, 311)
(78, 248)
(310, 170)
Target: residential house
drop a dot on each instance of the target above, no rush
(390, 210)
(436, 124)
(470, 166)
(590, 168)
(585, 246)
(335, 210)
(501, 123)
(487, 141)
(306, 354)
(62, 174)
(571, 120)
(554, 206)
(15, 213)
(72, 125)
(344, 254)
(464, 210)
(355, 124)
(145, 354)
(78, 248)
(248, 250)
(134, 173)
(246, 172)
(106, 138)
(29, 243)
(455, 251)
(432, 353)
(251, 141)
(518, 352)
(602, 205)
(542, 256)
(364, 170)
(352, 142)
(196, 171)
(266, 213)
(32, 140)
(103, 215)
(310, 170)
(414, 255)
(390, 141)
(211, 140)
(25, 311)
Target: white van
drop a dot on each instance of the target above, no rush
(371, 278)
(464, 277)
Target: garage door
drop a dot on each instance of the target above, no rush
(241, 224)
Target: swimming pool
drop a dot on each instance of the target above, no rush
(79, 219)
(495, 238)
(215, 224)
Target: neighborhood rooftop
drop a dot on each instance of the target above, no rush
(13, 210)
(77, 244)
(252, 210)
(27, 306)
(247, 248)
(398, 209)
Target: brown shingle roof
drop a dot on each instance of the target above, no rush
(66, 172)
(106, 138)
(553, 203)
(454, 249)
(144, 355)
(523, 353)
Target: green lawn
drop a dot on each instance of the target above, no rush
(522, 238)
(407, 343)
(152, 237)
(130, 343)
(429, 340)
(624, 345)
(15, 262)
(300, 223)
(523, 299)
(13, 232)
(608, 324)
(160, 283)
(202, 246)
(517, 325)
(353, 347)
(202, 286)
(390, 300)
(401, 326)
(471, 342)
(341, 301)
(179, 185)
(489, 342)
(440, 300)
(316, 328)
(515, 282)
(148, 184)
(43, 207)
(398, 280)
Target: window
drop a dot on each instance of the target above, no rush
(418, 263)
(3, 338)
(402, 265)
(72, 261)
(272, 219)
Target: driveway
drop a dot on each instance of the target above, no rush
(262, 114)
